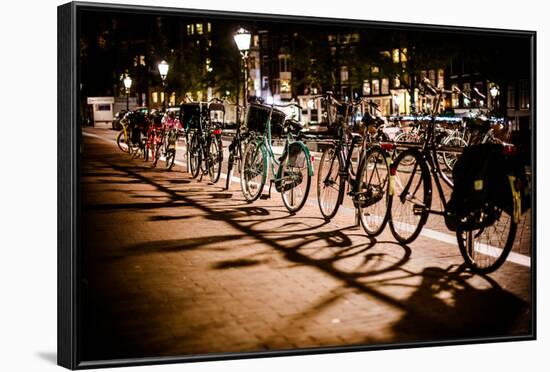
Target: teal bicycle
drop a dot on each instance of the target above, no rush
(291, 172)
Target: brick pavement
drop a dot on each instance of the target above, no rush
(172, 266)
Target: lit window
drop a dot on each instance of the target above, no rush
(344, 74)
(386, 53)
(375, 70)
(199, 28)
(284, 65)
(190, 29)
(155, 97)
(208, 27)
(173, 99)
(395, 55)
(431, 76)
(285, 86)
(142, 60)
(523, 94)
(366, 88)
(396, 82)
(162, 96)
(454, 97)
(440, 78)
(376, 87)
(404, 55)
(385, 86)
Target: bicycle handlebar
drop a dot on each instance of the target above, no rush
(288, 105)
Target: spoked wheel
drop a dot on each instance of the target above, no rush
(450, 158)
(412, 197)
(122, 141)
(253, 172)
(486, 249)
(295, 180)
(407, 137)
(215, 158)
(330, 186)
(170, 158)
(155, 151)
(195, 157)
(373, 191)
(233, 162)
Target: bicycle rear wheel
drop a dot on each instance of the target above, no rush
(330, 186)
(412, 196)
(254, 171)
(372, 197)
(486, 249)
(295, 180)
(215, 157)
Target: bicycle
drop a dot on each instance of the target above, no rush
(369, 187)
(235, 152)
(413, 199)
(205, 145)
(291, 172)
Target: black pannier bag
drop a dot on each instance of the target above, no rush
(486, 179)
(257, 116)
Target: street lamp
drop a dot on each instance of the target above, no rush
(242, 39)
(127, 84)
(163, 70)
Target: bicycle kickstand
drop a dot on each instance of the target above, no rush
(268, 196)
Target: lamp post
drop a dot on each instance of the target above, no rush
(242, 39)
(163, 70)
(127, 85)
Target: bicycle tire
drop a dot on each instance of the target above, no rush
(288, 197)
(411, 163)
(215, 160)
(170, 159)
(484, 263)
(246, 171)
(195, 158)
(323, 186)
(121, 138)
(368, 208)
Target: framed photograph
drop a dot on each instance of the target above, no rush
(236, 185)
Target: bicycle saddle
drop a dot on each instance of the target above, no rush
(294, 125)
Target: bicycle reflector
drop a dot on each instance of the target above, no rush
(217, 131)
(509, 149)
(393, 169)
(312, 158)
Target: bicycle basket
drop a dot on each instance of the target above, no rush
(257, 116)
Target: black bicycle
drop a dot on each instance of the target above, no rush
(236, 149)
(484, 249)
(205, 150)
(369, 187)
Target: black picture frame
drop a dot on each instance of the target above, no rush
(70, 142)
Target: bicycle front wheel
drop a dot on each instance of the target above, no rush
(295, 180)
(215, 157)
(412, 196)
(330, 186)
(254, 171)
(194, 156)
(373, 191)
(122, 141)
(170, 159)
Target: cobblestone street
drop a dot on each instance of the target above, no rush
(174, 266)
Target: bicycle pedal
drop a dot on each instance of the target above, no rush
(418, 209)
(264, 196)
